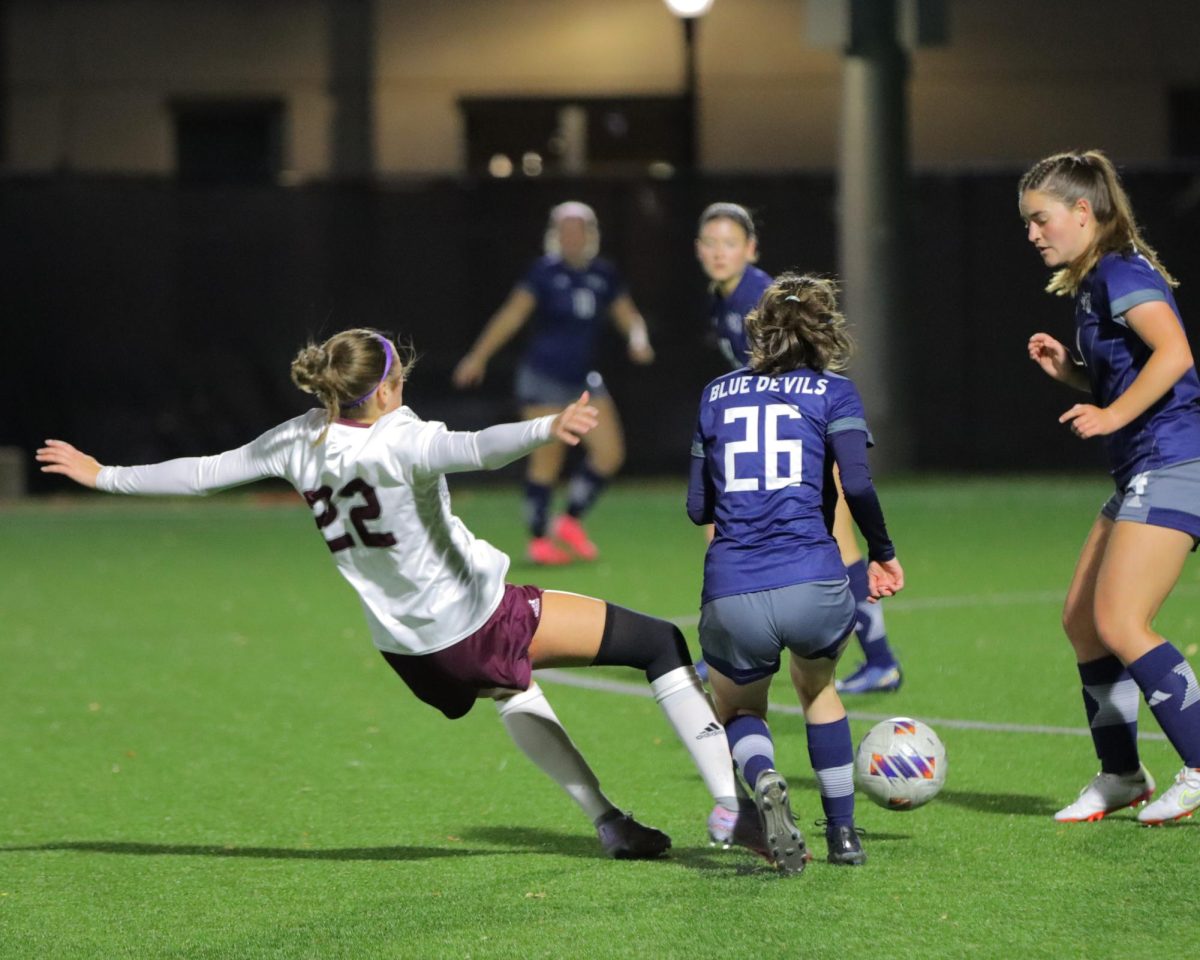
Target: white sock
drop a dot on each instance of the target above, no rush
(682, 698)
(533, 726)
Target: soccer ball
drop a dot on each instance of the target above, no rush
(900, 764)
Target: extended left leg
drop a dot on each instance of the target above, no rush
(577, 630)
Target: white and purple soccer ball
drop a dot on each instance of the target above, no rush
(900, 764)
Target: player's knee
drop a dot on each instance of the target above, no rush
(1116, 628)
(1078, 624)
(632, 639)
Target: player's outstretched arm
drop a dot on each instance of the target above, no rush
(494, 447)
(58, 456)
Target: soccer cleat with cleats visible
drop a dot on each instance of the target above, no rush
(785, 843)
(569, 531)
(1181, 799)
(546, 553)
(1107, 793)
(737, 828)
(845, 845)
(868, 678)
(623, 838)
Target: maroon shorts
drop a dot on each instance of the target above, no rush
(495, 655)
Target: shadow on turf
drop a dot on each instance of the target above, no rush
(266, 853)
(1017, 804)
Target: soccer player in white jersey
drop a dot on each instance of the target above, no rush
(767, 439)
(435, 596)
(1132, 356)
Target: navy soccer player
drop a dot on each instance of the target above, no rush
(1134, 360)
(569, 293)
(727, 248)
(767, 439)
(435, 596)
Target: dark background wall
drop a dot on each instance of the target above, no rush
(148, 319)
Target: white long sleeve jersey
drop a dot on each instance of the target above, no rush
(379, 496)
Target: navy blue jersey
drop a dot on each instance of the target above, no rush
(727, 315)
(572, 306)
(763, 445)
(1169, 431)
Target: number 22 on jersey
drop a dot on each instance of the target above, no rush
(359, 515)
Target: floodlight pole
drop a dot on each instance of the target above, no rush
(351, 40)
(689, 12)
(872, 192)
(690, 92)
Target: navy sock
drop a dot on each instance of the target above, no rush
(832, 754)
(585, 487)
(1110, 698)
(868, 619)
(751, 745)
(537, 507)
(1169, 686)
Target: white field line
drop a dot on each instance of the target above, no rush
(578, 678)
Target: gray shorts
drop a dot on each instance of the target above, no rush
(1167, 497)
(537, 389)
(744, 635)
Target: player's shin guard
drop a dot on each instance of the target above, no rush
(1110, 698)
(632, 639)
(682, 698)
(536, 730)
(751, 745)
(584, 490)
(831, 751)
(1170, 688)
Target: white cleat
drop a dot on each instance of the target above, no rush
(1107, 793)
(1181, 799)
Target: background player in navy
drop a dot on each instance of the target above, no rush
(569, 293)
(1132, 356)
(727, 248)
(434, 595)
(767, 438)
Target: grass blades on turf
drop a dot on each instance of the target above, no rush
(205, 758)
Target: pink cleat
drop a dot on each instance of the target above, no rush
(570, 531)
(546, 553)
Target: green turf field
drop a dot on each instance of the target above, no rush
(204, 757)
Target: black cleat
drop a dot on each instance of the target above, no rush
(784, 842)
(845, 847)
(623, 838)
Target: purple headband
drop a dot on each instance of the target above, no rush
(387, 365)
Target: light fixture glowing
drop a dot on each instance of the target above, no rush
(689, 8)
